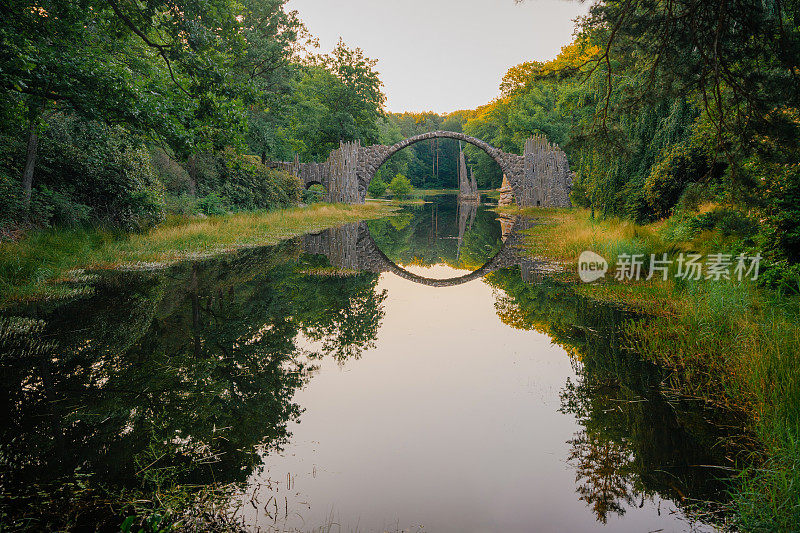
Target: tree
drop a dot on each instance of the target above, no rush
(377, 187)
(61, 53)
(338, 98)
(269, 67)
(388, 134)
(401, 186)
(155, 68)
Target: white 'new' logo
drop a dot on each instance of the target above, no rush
(591, 266)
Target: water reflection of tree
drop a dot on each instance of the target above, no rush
(343, 313)
(634, 441)
(428, 235)
(600, 474)
(170, 379)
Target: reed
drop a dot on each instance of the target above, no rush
(732, 344)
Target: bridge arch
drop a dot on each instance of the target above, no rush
(497, 261)
(510, 164)
(352, 247)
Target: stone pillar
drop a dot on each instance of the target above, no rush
(506, 193)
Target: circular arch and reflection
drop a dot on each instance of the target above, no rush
(456, 219)
(490, 266)
(499, 157)
(352, 247)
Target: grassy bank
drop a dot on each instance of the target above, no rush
(397, 201)
(30, 268)
(734, 344)
(433, 192)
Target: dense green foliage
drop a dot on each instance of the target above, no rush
(377, 187)
(656, 121)
(88, 170)
(400, 186)
(111, 112)
(337, 98)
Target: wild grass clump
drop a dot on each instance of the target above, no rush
(734, 344)
(30, 266)
(768, 498)
(739, 348)
(562, 234)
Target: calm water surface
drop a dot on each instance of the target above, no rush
(407, 374)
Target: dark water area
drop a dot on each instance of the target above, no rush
(414, 373)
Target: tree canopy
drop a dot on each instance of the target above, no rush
(183, 80)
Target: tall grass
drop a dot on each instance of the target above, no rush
(563, 234)
(734, 344)
(30, 266)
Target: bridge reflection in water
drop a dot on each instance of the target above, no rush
(351, 247)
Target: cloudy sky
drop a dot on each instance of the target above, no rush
(443, 55)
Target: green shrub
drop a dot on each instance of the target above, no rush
(401, 186)
(212, 204)
(11, 200)
(141, 210)
(377, 187)
(685, 225)
(60, 209)
(783, 211)
(245, 183)
(781, 277)
(182, 204)
(169, 172)
(683, 164)
(91, 172)
(314, 194)
(728, 221)
(635, 205)
(88, 170)
(695, 195)
(580, 194)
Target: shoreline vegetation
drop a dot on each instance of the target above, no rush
(35, 266)
(140, 135)
(735, 345)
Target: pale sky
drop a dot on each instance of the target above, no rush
(443, 55)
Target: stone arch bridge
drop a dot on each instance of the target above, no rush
(539, 177)
(351, 247)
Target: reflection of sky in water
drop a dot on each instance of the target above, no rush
(436, 271)
(451, 419)
(451, 423)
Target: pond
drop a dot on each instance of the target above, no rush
(416, 373)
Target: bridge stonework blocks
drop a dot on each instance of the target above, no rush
(540, 177)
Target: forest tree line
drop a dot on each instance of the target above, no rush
(662, 108)
(113, 112)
